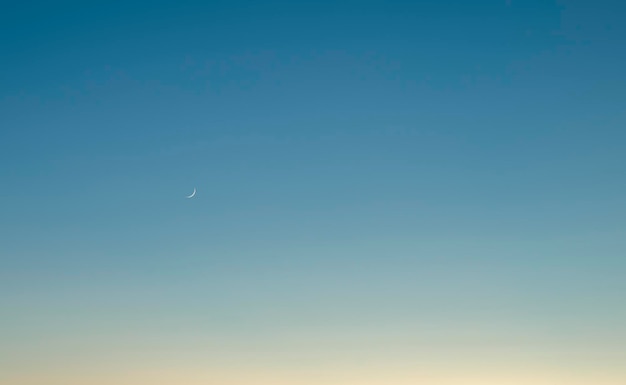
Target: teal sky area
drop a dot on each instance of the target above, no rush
(438, 182)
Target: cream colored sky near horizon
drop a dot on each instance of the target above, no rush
(466, 366)
(356, 376)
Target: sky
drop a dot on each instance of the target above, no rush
(424, 192)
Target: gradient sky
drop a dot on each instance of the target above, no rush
(426, 192)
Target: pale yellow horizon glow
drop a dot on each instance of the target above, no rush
(364, 375)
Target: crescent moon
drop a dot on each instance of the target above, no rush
(192, 194)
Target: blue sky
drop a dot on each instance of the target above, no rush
(363, 168)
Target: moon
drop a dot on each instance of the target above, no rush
(192, 194)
